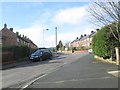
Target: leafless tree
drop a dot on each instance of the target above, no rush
(106, 13)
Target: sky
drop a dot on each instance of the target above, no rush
(33, 18)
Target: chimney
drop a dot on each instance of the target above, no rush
(23, 36)
(76, 38)
(5, 25)
(17, 33)
(92, 32)
(81, 36)
(11, 29)
(84, 34)
(97, 29)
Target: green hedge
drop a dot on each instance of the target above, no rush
(104, 43)
(15, 52)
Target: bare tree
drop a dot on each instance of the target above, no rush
(106, 13)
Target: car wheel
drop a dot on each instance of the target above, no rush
(50, 57)
(40, 59)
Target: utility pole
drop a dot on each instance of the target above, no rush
(56, 38)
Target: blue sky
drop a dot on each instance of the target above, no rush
(32, 18)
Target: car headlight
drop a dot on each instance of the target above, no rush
(36, 56)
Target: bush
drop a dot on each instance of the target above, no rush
(103, 43)
(15, 52)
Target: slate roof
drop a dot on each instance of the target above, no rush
(84, 37)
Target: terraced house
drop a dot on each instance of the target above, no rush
(85, 41)
(9, 38)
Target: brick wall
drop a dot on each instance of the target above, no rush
(9, 38)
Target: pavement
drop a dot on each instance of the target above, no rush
(23, 62)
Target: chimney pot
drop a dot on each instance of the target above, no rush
(84, 34)
(17, 33)
(97, 29)
(11, 29)
(5, 25)
(92, 31)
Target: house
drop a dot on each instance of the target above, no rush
(9, 38)
(84, 41)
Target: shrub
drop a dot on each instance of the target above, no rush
(103, 43)
(15, 52)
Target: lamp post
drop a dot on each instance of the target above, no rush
(43, 35)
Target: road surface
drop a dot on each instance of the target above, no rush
(22, 75)
(84, 72)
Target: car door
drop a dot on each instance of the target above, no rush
(45, 55)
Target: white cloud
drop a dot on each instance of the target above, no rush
(34, 33)
(64, 37)
(70, 15)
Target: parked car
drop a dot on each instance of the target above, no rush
(41, 54)
(90, 51)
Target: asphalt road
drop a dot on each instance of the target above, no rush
(22, 75)
(84, 72)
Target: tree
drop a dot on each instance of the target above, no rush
(60, 45)
(106, 13)
(67, 45)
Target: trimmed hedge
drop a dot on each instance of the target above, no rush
(104, 43)
(14, 53)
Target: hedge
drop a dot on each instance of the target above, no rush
(104, 43)
(14, 53)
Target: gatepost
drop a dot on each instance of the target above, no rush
(117, 49)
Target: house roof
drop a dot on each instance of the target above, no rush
(23, 38)
(92, 34)
(84, 37)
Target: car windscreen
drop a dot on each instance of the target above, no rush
(38, 52)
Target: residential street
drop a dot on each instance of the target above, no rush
(22, 75)
(60, 44)
(67, 71)
(82, 73)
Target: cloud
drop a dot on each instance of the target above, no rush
(35, 33)
(64, 37)
(74, 17)
(70, 15)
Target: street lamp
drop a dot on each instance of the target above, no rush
(55, 38)
(43, 35)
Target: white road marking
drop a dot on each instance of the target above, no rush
(81, 79)
(112, 72)
(60, 82)
(32, 81)
(115, 73)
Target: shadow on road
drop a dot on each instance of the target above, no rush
(27, 63)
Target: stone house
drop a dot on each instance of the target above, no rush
(9, 38)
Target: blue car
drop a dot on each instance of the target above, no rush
(41, 54)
